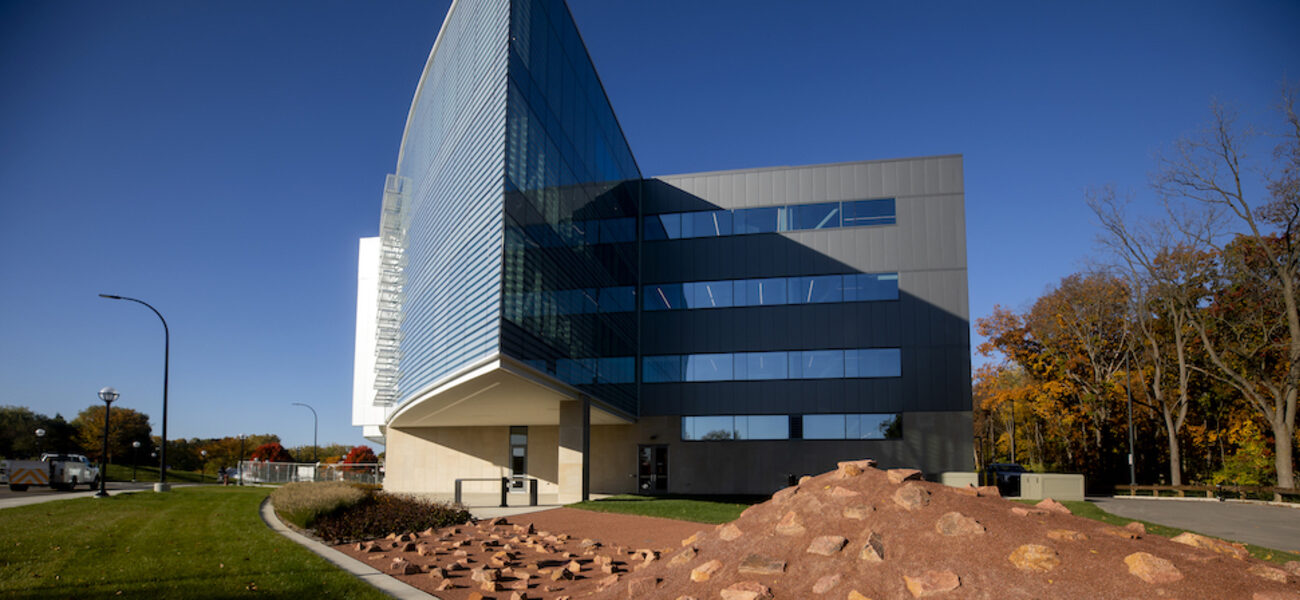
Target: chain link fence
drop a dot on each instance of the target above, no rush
(258, 471)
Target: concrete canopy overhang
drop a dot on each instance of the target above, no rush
(496, 390)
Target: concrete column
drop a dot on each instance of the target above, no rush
(575, 445)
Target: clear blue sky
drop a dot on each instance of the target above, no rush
(220, 159)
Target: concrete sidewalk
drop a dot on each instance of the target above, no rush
(380, 580)
(1276, 527)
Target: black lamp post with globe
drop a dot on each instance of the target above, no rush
(40, 442)
(108, 395)
(135, 447)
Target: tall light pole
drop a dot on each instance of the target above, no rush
(240, 463)
(108, 395)
(1128, 388)
(161, 486)
(315, 426)
(203, 466)
(135, 447)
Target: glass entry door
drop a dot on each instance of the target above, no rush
(652, 469)
(518, 458)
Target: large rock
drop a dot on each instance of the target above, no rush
(1034, 557)
(931, 583)
(826, 584)
(705, 571)
(912, 497)
(790, 524)
(827, 545)
(757, 564)
(746, 590)
(1267, 572)
(1152, 569)
(729, 532)
(1067, 535)
(955, 523)
(1051, 505)
(1208, 543)
(900, 475)
(873, 550)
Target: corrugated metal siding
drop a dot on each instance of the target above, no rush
(453, 154)
(929, 321)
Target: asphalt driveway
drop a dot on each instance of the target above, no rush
(1276, 527)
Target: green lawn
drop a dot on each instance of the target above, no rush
(1092, 511)
(143, 473)
(202, 542)
(700, 509)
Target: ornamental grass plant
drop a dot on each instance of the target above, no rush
(304, 503)
(381, 514)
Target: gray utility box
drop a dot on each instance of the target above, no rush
(1036, 486)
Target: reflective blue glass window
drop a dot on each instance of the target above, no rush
(619, 369)
(576, 371)
(815, 216)
(617, 299)
(762, 427)
(663, 227)
(870, 286)
(869, 212)
(712, 223)
(666, 296)
(708, 428)
(708, 367)
(758, 220)
(661, 369)
(574, 302)
(873, 362)
(876, 427)
(760, 292)
(817, 364)
(818, 289)
(762, 365)
(823, 427)
(708, 294)
(613, 231)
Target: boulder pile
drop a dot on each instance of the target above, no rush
(863, 533)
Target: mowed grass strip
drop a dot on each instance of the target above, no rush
(150, 473)
(700, 509)
(1089, 510)
(204, 542)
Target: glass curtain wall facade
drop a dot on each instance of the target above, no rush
(451, 159)
(571, 203)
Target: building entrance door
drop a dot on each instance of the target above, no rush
(652, 469)
(518, 458)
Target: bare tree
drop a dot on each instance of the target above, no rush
(1166, 282)
(1256, 349)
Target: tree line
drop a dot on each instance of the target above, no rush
(85, 435)
(1195, 317)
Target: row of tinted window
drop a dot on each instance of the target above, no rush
(770, 219)
(863, 426)
(751, 366)
(585, 371)
(815, 289)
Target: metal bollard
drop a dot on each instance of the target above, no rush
(458, 495)
(532, 492)
(505, 489)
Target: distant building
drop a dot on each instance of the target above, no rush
(534, 306)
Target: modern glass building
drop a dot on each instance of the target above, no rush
(536, 307)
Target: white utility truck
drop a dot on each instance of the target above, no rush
(59, 471)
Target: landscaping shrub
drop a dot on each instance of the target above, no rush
(382, 514)
(303, 504)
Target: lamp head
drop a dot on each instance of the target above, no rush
(108, 395)
(135, 444)
(110, 296)
(40, 432)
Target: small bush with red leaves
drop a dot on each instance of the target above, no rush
(382, 514)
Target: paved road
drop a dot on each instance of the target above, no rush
(36, 495)
(1276, 527)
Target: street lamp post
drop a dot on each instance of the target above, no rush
(203, 466)
(40, 442)
(108, 395)
(135, 446)
(161, 486)
(315, 427)
(240, 463)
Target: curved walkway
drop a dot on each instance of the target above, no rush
(1276, 527)
(365, 572)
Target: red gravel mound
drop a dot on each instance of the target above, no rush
(856, 533)
(859, 533)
